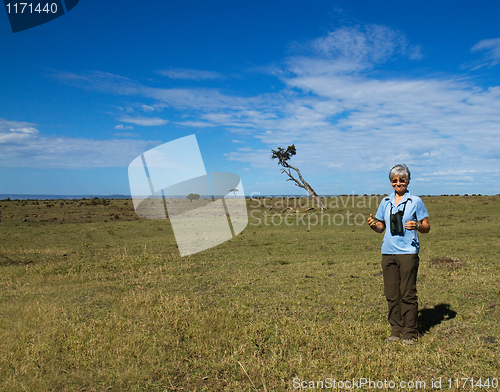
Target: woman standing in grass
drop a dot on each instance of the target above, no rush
(405, 215)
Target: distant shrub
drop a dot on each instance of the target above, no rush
(193, 196)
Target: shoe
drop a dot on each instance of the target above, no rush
(392, 339)
(408, 342)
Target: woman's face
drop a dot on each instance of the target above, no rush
(399, 184)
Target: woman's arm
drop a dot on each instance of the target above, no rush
(423, 227)
(379, 226)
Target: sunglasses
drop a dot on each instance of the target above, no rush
(400, 180)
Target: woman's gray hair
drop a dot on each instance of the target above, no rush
(400, 171)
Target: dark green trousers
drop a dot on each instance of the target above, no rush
(400, 288)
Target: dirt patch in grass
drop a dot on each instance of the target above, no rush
(447, 262)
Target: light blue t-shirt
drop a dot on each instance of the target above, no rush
(414, 211)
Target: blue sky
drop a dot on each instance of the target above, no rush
(357, 86)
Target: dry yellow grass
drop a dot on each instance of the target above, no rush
(103, 302)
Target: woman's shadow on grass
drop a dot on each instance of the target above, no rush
(430, 317)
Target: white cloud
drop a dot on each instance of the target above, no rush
(21, 145)
(492, 48)
(121, 126)
(143, 121)
(190, 74)
(259, 159)
(126, 134)
(373, 46)
(177, 98)
(147, 108)
(25, 130)
(341, 117)
(195, 124)
(345, 119)
(15, 132)
(349, 50)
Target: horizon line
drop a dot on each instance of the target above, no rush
(21, 196)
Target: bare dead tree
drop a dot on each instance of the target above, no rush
(283, 157)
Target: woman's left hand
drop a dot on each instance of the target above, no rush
(411, 225)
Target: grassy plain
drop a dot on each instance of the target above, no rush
(93, 298)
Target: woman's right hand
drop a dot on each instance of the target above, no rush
(371, 221)
(378, 226)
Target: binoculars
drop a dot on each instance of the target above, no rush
(397, 227)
